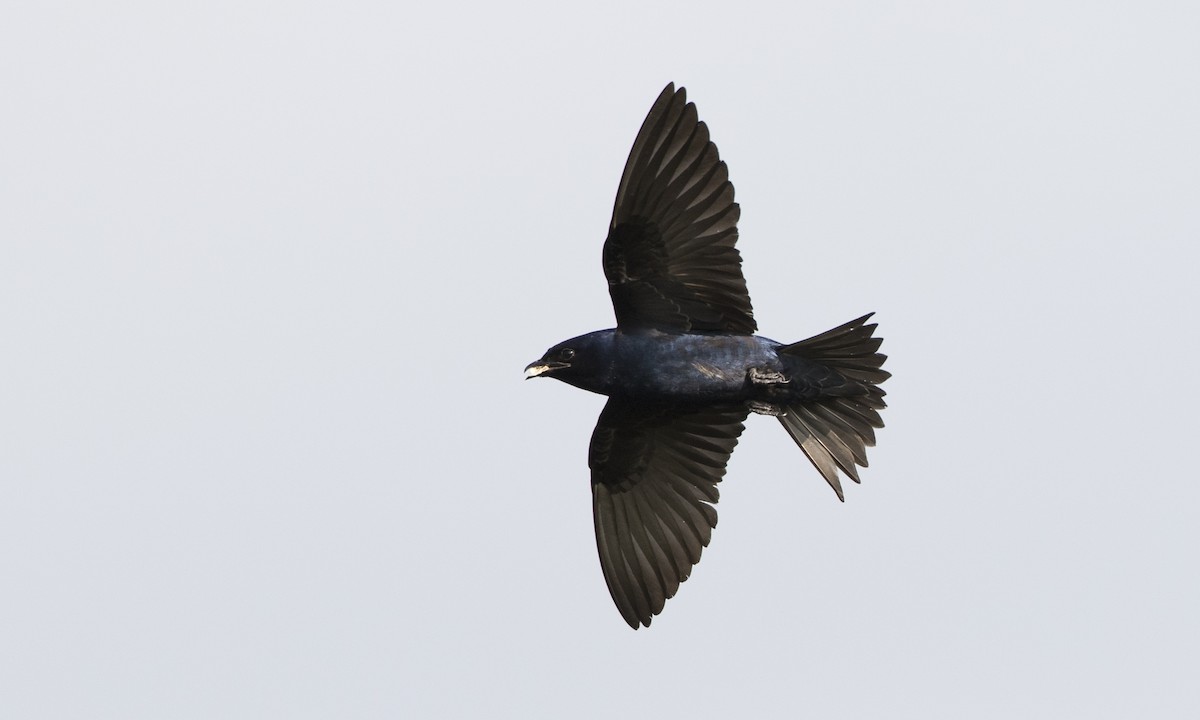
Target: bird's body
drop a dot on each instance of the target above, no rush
(689, 367)
(683, 368)
(696, 368)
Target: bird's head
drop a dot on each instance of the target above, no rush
(584, 361)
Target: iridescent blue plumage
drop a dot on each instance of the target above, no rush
(653, 366)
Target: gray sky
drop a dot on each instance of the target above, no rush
(269, 277)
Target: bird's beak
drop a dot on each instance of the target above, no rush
(540, 367)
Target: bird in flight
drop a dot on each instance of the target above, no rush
(683, 368)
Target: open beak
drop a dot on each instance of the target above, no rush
(540, 367)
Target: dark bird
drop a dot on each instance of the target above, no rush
(683, 368)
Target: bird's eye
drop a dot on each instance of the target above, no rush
(567, 354)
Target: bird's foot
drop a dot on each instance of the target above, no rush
(766, 408)
(766, 377)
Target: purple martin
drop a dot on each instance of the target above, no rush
(683, 368)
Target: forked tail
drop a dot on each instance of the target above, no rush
(834, 431)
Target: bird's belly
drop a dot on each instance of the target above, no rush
(695, 372)
(691, 379)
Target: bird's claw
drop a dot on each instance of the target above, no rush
(766, 377)
(766, 408)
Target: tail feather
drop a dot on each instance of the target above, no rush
(857, 413)
(856, 438)
(850, 349)
(835, 431)
(808, 441)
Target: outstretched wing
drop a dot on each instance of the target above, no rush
(654, 482)
(670, 258)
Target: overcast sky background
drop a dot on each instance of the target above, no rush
(270, 273)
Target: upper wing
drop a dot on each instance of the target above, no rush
(654, 479)
(670, 258)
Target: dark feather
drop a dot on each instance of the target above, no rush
(670, 258)
(654, 476)
(835, 431)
